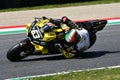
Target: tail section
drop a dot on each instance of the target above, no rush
(93, 26)
(98, 25)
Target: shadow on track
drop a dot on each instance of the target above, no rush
(85, 55)
(95, 54)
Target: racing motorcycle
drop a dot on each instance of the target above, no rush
(43, 38)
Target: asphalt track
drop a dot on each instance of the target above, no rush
(105, 52)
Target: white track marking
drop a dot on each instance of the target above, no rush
(52, 74)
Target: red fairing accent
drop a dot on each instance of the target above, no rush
(24, 42)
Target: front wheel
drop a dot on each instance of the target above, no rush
(16, 53)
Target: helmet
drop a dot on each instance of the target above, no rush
(72, 36)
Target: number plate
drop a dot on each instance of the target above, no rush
(36, 34)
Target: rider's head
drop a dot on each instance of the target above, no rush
(72, 36)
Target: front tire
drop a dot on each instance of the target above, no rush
(16, 53)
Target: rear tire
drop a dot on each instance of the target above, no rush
(93, 38)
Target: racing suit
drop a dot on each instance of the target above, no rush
(77, 37)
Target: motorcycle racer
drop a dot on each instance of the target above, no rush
(77, 37)
(80, 36)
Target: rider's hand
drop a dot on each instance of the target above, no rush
(65, 19)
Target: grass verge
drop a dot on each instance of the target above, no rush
(103, 74)
(61, 5)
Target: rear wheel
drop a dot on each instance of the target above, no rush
(93, 38)
(16, 53)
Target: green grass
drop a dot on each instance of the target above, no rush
(104, 74)
(61, 5)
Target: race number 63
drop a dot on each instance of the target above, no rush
(36, 34)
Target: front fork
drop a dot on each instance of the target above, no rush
(26, 46)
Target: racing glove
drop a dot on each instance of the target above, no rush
(68, 22)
